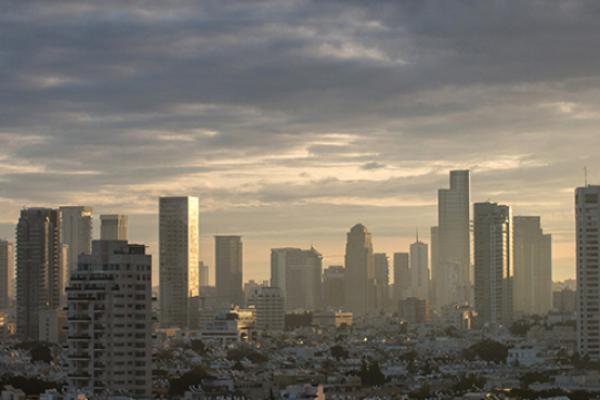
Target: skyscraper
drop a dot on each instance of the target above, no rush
(113, 227)
(587, 211)
(109, 320)
(178, 265)
(297, 273)
(453, 241)
(533, 267)
(401, 277)
(360, 271)
(229, 269)
(7, 273)
(39, 277)
(382, 280)
(334, 287)
(76, 228)
(419, 270)
(493, 263)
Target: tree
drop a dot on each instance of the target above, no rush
(41, 352)
(178, 386)
(370, 374)
(338, 352)
(520, 327)
(487, 350)
(199, 347)
(468, 382)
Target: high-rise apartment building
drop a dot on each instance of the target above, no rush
(533, 267)
(382, 280)
(229, 269)
(39, 275)
(451, 269)
(360, 271)
(113, 227)
(179, 258)
(7, 273)
(419, 270)
(493, 263)
(109, 321)
(270, 309)
(334, 287)
(587, 211)
(76, 233)
(297, 273)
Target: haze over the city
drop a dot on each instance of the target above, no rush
(292, 123)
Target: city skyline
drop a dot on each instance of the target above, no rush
(251, 137)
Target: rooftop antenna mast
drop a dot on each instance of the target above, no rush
(585, 175)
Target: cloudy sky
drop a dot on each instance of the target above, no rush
(294, 120)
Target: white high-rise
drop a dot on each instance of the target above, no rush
(76, 226)
(110, 321)
(453, 242)
(419, 270)
(533, 267)
(178, 264)
(493, 263)
(587, 211)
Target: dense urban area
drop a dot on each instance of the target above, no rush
(472, 314)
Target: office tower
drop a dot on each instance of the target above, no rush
(382, 280)
(229, 269)
(401, 277)
(435, 284)
(270, 311)
(419, 270)
(334, 287)
(587, 212)
(7, 273)
(297, 273)
(532, 284)
(113, 227)
(202, 274)
(493, 263)
(76, 233)
(109, 321)
(453, 241)
(39, 284)
(360, 271)
(178, 264)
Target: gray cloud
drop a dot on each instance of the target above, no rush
(297, 106)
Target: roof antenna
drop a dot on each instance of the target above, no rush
(417, 234)
(585, 175)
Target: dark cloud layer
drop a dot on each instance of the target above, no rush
(277, 113)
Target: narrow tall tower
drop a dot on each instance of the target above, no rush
(39, 276)
(178, 266)
(419, 270)
(360, 271)
(229, 269)
(453, 237)
(7, 273)
(587, 211)
(493, 263)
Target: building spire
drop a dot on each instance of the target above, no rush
(417, 234)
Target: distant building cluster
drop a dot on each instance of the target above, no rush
(480, 271)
